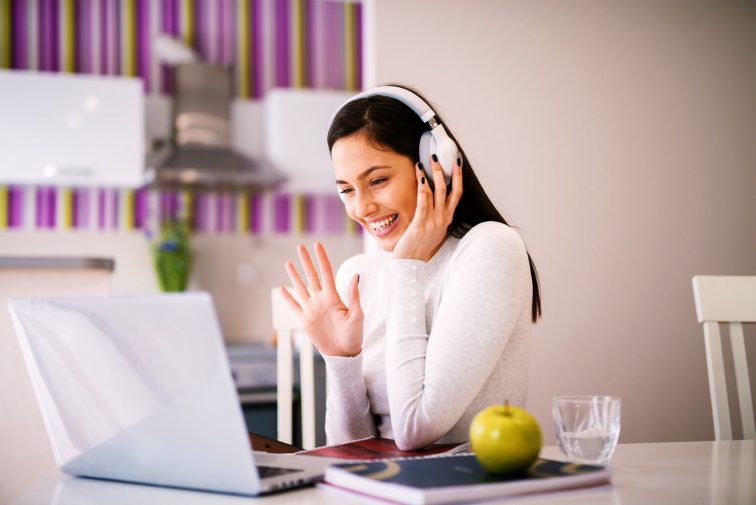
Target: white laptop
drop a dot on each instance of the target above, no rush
(139, 389)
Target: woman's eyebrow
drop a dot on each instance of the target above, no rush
(365, 173)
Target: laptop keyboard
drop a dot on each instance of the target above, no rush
(275, 471)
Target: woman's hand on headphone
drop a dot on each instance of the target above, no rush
(334, 329)
(433, 213)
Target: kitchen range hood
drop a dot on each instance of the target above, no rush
(200, 153)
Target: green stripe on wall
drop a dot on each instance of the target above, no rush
(5, 33)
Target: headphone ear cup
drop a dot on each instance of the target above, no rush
(447, 152)
(426, 149)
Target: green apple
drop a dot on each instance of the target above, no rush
(505, 438)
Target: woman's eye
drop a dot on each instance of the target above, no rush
(377, 181)
(345, 191)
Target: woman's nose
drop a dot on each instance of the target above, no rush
(364, 205)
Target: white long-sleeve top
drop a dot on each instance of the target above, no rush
(442, 340)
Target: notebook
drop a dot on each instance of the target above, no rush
(455, 479)
(139, 389)
(378, 448)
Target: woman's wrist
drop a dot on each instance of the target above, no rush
(343, 354)
(420, 253)
(410, 255)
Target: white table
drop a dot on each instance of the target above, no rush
(663, 473)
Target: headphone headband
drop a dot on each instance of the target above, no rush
(405, 96)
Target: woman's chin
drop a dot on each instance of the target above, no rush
(387, 243)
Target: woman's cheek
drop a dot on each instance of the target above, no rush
(349, 208)
(411, 208)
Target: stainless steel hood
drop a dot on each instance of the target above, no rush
(200, 153)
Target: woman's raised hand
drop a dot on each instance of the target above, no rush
(334, 329)
(433, 213)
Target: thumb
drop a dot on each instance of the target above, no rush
(354, 295)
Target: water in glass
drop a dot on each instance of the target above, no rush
(587, 427)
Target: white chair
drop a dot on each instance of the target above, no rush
(287, 328)
(727, 299)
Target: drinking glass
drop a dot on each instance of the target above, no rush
(587, 427)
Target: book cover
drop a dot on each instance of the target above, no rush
(376, 448)
(457, 479)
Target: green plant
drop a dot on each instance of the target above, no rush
(171, 255)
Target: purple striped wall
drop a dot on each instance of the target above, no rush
(15, 207)
(256, 51)
(282, 13)
(19, 58)
(100, 209)
(142, 41)
(215, 25)
(358, 35)
(255, 214)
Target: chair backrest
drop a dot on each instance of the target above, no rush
(287, 327)
(732, 300)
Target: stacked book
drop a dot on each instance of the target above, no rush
(443, 473)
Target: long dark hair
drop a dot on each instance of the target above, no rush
(390, 124)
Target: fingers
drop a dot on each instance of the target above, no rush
(297, 281)
(424, 195)
(439, 189)
(326, 271)
(354, 295)
(456, 186)
(290, 301)
(309, 268)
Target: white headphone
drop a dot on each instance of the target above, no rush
(436, 141)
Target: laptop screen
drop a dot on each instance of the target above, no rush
(137, 388)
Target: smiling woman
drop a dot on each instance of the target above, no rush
(437, 323)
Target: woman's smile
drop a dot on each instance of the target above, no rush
(384, 226)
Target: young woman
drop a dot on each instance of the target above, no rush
(436, 324)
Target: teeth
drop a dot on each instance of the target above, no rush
(383, 224)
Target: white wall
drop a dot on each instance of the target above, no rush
(619, 138)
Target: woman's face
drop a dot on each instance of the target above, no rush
(378, 187)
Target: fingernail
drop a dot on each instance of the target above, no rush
(420, 166)
(435, 158)
(422, 180)
(459, 162)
